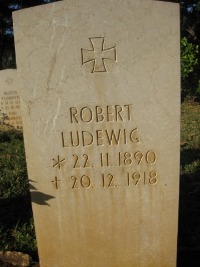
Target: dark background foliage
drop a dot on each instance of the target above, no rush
(7, 51)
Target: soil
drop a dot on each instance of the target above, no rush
(5, 264)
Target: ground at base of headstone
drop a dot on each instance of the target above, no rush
(188, 259)
(17, 259)
(6, 264)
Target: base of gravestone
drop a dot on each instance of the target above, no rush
(6, 264)
(188, 258)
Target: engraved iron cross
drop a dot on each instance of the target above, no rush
(98, 54)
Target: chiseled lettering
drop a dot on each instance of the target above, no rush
(87, 138)
(55, 182)
(82, 182)
(124, 136)
(99, 134)
(109, 113)
(150, 157)
(85, 181)
(105, 160)
(103, 137)
(111, 177)
(73, 115)
(76, 159)
(138, 156)
(118, 111)
(113, 137)
(81, 162)
(128, 111)
(86, 114)
(63, 140)
(74, 140)
(99, 115)
(107, 180)
(75, 182)
(86, 163)
(132, 138)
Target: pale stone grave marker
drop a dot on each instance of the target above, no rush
(101, 107)
(10, 111)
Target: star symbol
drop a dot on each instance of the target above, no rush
(58, 162)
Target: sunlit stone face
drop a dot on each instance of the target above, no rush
(100, 88)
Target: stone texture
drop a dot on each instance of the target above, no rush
(100, 92)
(10, 99)
(15, 258)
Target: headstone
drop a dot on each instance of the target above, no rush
(10, 111)
(101, 108)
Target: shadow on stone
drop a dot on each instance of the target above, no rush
(38, 197)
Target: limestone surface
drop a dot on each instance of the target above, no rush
(100, 90)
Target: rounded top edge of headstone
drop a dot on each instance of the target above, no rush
(7, 70)
(8, 76)
(68, 3)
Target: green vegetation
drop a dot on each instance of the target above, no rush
(189, 64)
(189, 211)
(16, 223)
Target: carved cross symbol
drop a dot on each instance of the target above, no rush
(56, 182)
(58, 162)
(98, 55)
